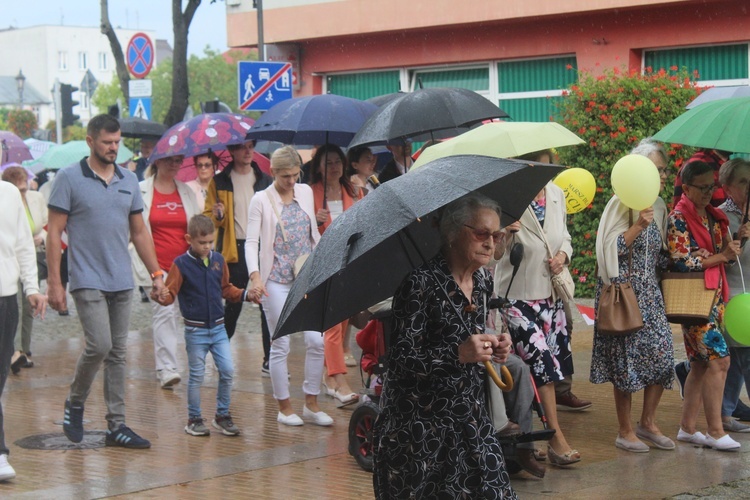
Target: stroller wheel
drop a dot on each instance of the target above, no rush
(360, 433)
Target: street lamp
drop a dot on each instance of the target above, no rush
(20, 83)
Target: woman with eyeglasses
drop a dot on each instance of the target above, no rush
(205, 167)
(333, 193)
(641, 361)
(434, 437)
(699, 240)
(168, 205)
(536, 320)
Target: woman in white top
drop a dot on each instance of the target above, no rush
(281, 228)
(168, 205)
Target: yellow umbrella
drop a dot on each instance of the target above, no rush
(502, 140)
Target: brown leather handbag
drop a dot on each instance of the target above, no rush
(618, 312)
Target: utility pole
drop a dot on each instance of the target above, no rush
(258, 4)
(58, 110)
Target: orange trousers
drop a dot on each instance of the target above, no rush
(333, 346)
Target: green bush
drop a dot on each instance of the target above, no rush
(612, 112)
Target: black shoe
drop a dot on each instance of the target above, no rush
(63, 313)
(742, 412)
(73, 422)
(17, 361)
(126, 438)
(682, 373)
(264, 370)
(144, 295)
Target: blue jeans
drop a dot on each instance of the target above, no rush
(739, 372)
(198, 342)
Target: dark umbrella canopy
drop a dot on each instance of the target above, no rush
(313, 120)
(201, 134)
(366, 252)
(140, 128)
(13, 148)
(423, 111)
(382, 100)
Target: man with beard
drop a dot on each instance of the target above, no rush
(100, 205)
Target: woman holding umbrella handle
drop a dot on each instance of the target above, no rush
(333, 193)
(281, 228)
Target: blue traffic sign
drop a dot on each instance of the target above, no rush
(140, 55)
(140, 107)
(262, 84)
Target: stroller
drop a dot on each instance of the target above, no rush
(374, 341)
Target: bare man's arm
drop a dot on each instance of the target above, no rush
(55, 291)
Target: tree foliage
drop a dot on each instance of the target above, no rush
(21, 122)
(612, 112)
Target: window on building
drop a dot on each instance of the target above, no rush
(476, 79)
(716, 65)
(62, 60)
(103, 66)
(83, 60)
(530, 90)
(363, 85)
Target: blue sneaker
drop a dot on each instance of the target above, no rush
(73, 422)
(126, 438)
(682, 373)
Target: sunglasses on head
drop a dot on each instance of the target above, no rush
(484, 234)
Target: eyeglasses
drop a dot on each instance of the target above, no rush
(483, 234)
(204, 165)
(704, 189)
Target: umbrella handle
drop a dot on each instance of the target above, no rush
(506, 386)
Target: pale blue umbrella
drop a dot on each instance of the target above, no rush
(62, 155)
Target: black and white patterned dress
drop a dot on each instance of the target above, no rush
(433, 437)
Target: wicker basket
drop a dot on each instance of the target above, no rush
(686, 298)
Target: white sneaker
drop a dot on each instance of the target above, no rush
(317, 418)
(724, 443)
(6, 471)
(292, 419)
(697, 438)
(168, 378)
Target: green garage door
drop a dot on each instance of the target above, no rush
(721, 62)
(364, 85)
(530, 90)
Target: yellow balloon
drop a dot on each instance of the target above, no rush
(579, 187)
(635, 181)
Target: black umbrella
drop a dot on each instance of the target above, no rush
(382, 100)
(364, 255)
(140, 128)
(424, 111)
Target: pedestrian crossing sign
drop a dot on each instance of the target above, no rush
(140, 107)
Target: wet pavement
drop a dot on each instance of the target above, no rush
(269, 460)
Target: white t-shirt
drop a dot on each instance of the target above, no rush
(243, 192)
(336, 208)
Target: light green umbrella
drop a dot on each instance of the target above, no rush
(502, 140)
(62, 155)
(722, 124)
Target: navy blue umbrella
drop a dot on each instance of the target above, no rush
(313, 120)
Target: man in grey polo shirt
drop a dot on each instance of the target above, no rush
(100, 205)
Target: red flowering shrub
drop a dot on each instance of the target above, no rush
(22, 123)
(612, 112)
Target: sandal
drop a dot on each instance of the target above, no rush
(567, 458)
(540, 455)
(346, 399)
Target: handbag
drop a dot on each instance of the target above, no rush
(300, 261)
(618, 312)
(687, 301)
(41, 266)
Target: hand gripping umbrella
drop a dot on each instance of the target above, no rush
(368, 250)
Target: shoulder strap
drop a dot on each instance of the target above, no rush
(278, 216)
(541, 231)
(630, 251)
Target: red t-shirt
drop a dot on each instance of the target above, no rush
(168, 227)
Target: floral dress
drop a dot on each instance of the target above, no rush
(434, 437)
(646, 357)
(538, 330)
(702, 342)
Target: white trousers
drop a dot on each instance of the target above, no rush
(166, 324)
(277, 363)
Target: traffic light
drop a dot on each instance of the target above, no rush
(67, 104)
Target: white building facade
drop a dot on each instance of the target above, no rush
(47, 53)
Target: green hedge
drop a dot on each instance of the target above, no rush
(612, 112)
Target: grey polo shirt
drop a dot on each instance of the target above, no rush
(98, 225)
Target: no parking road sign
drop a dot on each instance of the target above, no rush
(262, 84)
(140, 55)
